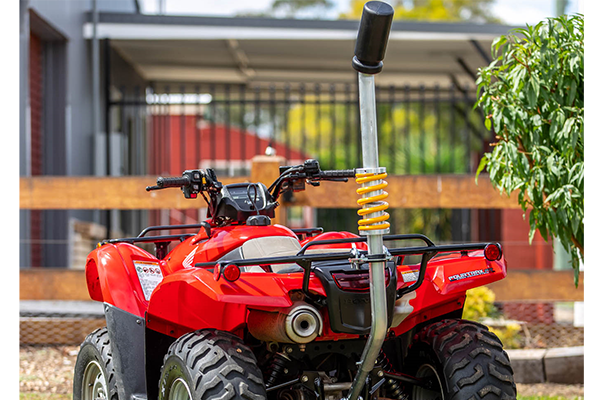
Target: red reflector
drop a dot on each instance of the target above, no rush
(356, 282)
(492, 252)
(231, 273)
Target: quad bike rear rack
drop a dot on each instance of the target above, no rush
(305, 261)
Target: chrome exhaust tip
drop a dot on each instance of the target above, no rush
(303, 324)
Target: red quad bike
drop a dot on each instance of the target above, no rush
(244, 309)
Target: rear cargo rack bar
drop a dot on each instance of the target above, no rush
(202, 224)
(150, 239)
(305, 261)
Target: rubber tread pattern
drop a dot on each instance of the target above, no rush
(220, 365)
(100, 341)
(472, 359)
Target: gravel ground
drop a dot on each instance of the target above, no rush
(49, 369)
(551, 389)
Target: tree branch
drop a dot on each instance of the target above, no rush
(577, 244)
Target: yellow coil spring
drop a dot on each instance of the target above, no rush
(374, 223)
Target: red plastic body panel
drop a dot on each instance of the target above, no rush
(445, 284)
(189, 298)
(335, 235)
(222, 241)
(111, 276)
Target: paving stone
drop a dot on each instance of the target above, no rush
(528, 365)
(564, 365)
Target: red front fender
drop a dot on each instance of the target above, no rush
(111, 276)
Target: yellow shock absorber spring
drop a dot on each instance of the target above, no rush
(376, 202)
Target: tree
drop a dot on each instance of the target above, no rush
(532, 94)
(291, 8)
(434, 10)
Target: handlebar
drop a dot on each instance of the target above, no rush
(294, 177)
(338, 173)
(165, 182)
(192, 182)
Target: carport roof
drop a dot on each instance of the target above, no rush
(177, 49)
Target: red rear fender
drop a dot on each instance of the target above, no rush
(112, 278)
(455, 273)
(445, 284)
(191, 299)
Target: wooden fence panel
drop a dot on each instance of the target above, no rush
(519, 285)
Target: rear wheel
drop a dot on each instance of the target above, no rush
(210, 364)
(463, 361)
(94, 376)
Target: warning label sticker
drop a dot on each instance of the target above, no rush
(410, 276)
(150, 276)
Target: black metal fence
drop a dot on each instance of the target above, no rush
(421, 130)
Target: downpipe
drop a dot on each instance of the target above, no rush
(369, 52)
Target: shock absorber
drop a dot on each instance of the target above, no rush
(373, 207)
(393, 388)
(278, 367)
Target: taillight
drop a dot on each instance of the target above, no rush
(356, 281)
(492, 252)
(231, 272)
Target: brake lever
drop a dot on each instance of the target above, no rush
(338, 179)
(149, 188)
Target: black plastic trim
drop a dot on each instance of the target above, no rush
(126, 333)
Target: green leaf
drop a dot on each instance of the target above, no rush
(572, 91)
(482, 164)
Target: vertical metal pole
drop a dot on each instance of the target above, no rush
(95, 70)
(286, 128)
(256, 120)
(332, 147)
(242, 94)
(392, 143)
(107, 122)
(370, 153)
(369, 51)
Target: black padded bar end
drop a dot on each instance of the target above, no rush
(373, 34)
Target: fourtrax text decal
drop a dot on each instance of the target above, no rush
(471, 274)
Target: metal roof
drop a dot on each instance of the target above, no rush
(170, 49)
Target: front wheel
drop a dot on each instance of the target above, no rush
(94, 376)
(210, 364)
(462, 360)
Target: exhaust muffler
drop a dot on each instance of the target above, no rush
(300, 323)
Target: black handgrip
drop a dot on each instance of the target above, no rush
(373, 34)
(163, 182)
(338, 173)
